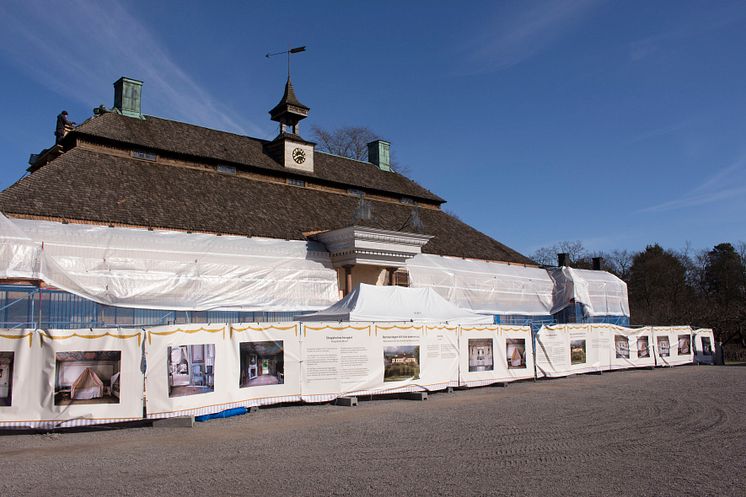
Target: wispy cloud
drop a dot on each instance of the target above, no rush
(727, 183)
(711, 17)
(77, 49)
(521, 30)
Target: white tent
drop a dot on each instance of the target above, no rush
(393, 303)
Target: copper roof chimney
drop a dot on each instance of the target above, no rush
(127, 97)
(379, 153)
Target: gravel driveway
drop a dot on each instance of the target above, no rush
(676, 431)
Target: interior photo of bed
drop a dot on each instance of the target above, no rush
(87, 377)
(262, 363)
(191, 369)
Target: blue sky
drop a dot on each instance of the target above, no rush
(616, 123)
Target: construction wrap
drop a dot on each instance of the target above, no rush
(704, 346)
(169, 270)
(600, 293)
(64, 378)
(492, 354)
(485, 287)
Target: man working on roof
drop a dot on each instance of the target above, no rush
(62, 121)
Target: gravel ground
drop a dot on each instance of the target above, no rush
(679, 431)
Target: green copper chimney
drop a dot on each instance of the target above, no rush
(127, 94)
(379, 153)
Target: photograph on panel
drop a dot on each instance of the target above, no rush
(480, 355)
(706, 346)
(643, 347)
(664, 347)
(262, 363)
(191, 369)
(577, 352)
(621, 346)
(401, 363)
(87, 377)
(6, 378)
(515, 349)
(685, 344)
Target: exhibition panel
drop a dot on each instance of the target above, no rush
(20, 379)
(491, 354)
(90, 376)
(673, 345)
(339, 359)
(704, 346)
(563, 350)
(631, 347)
(267, 357)
(188, 370)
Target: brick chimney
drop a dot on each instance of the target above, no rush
(563, 259)
(597, 261)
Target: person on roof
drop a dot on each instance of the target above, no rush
(62, 122)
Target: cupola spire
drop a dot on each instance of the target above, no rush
(289, 111)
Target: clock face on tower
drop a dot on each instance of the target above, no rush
(299, 155)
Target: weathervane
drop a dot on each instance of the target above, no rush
(289, 52)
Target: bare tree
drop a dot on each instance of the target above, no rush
(547, 256)
(350, 141)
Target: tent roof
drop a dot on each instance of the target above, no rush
(393, 303)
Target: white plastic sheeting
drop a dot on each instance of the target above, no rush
(169, 270)
(396, 304)
(494, 353)
(600, 293)
(486, 287)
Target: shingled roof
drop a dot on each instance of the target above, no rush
(96, 187)
(187, 140)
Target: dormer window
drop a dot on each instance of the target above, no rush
(356, 192)
(143, 155)
(296, 182)
(226, 169)
(407, 201)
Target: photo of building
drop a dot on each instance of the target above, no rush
(515, 349)
(577, 352)
(480, 355)
(6, 378)
(191, 369)
(643, 347)
(262, 363)
(621, 346)
(685, 344)
(401, 363)
(664, 347)
(87, 377)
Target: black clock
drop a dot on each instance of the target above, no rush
(299, 155)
